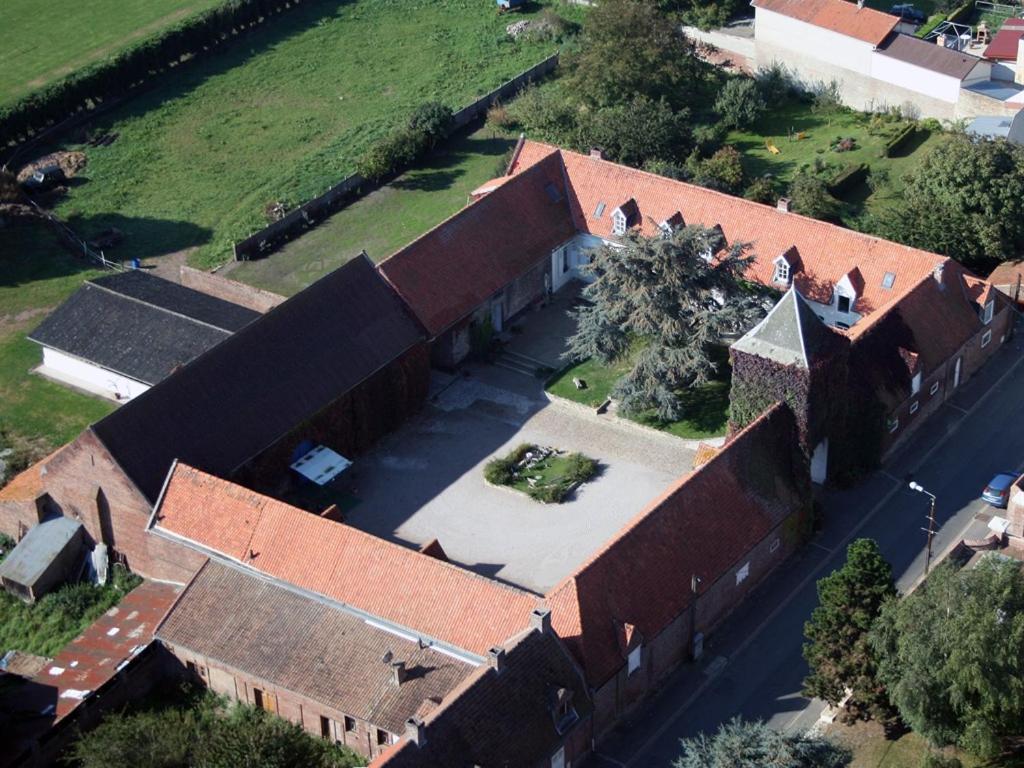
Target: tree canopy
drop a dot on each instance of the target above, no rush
(740, 744)
(668, 295)
(964, 200)
(837, 649)
(952, 655)
(205, 734)
(631, 47)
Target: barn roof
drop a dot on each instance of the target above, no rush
(230, 404)
(139, 325)
(308, 646)
(840, 16)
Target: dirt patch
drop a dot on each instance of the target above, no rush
(13, 323)
(169, 265)
(71, 163)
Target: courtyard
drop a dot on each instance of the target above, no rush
(426, 481)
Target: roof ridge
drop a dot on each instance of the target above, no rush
(137, 300)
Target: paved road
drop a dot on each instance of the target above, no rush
(753, 666)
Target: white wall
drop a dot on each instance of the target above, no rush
(568, 258)
(85, 375)
(914, 78)
(808, 40)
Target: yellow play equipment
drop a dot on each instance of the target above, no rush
(771, 147)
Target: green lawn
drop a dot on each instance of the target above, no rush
(36, 274)
(707, 407)
(385, 220)
(821, 129)
(872, 750)
(280, 116)
(42, 42)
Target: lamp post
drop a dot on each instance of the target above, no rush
(930, 530)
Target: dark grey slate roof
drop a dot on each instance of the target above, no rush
(150, 289)
(41, 545)
(791, 334)
(231, 403)
(308, 646)
(930, 56)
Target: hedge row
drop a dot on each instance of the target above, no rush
(961, 14)
(93, 84)
(847, 179)
(899, 140)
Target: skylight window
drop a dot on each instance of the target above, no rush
(599, 210)
(888, 280)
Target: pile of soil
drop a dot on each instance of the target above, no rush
(71, 163)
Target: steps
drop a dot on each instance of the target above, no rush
(520, 363)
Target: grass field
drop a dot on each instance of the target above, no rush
(36, 274)
(42, 42)
(282, 115)
(706, 407)
(821, 129)
(385, 220)
(872, 750)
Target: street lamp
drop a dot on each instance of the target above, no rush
(930, 530)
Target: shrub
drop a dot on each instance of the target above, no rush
(497, 116)
(544, 115)
(432, 119)
(722, 171)
(708, 138)
(940, 761)
(579, 468)
(637, 131)
(499, 471)
(810, 197)
(776, 83)
(847, 179)
(392, 154)
(549, 27)
(740, 103)
(826, 96)
(667, 169)
(763, 190)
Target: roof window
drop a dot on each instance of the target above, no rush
(599, 210)
(888, 280)
(986, 313)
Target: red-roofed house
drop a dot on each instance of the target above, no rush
(1005, 51)
(630, 614)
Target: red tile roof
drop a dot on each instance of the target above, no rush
(826, 252)
(28, 484)
(1004, 45)
(455, 267)
(704, 525)
(433, 598)
(1008, 273)
(840, 16)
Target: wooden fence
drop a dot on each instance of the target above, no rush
(312, 212)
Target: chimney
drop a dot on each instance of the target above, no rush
(783, 204)
(416, 731)
(496, 659)
(397, 673)
(596, 153)
(540, 620)
(1019, 73)
(937, 273)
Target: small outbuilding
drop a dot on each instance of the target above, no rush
(49, 554)
(999, 127)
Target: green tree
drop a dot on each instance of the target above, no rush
(952, 656)
(637, 131)
(810, 196)
(740, 744)
(763, 189)
(545, 114)
(667, 294)
(739, 103)
(723, 171)
(433, 119)
(631, 47)
(837, 648)
(964, 200)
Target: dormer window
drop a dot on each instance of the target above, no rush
(618, 222)
(986, 313)
(781, 271)
(672, 224)
(843, 304)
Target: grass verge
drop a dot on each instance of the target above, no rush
(871, 749)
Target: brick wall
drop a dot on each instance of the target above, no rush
(238, 685)
(526, 289)
(230, 290)
(84, 483)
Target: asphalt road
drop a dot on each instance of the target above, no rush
(753, 665)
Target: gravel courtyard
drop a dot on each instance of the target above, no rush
(426, 480)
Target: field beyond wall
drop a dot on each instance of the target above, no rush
(43, 41)
(281, 115)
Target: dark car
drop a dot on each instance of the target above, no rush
(907, 12)
(997, 492)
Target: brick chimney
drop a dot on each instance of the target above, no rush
(937, 273)
(496, 659)
(416, 731)
(540, 620)
(596, 153)
(783, 204)
(397, 673)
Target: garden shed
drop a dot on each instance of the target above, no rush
(45, 558)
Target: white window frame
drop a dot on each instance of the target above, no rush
(742, 573)
(776, 543)
(934, 388)
(914, 406)
(987, 312)
(618, 222)
(894, 425)
(634, 660)
(782, 271)
(986, 337)
(915, 383)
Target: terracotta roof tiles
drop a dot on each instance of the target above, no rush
(846, 18)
